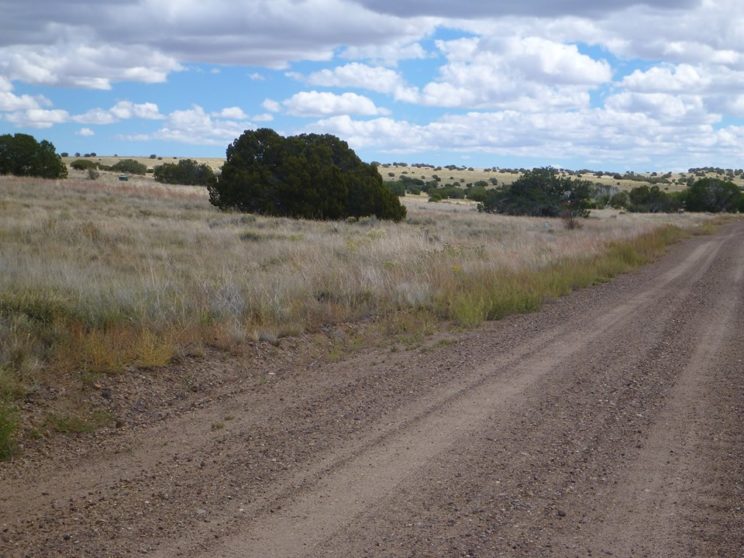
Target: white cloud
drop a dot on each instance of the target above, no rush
(663, 106)
(681, 78)
(92, 65)
(315, 103)
(122, 110)
(521, 73)
(387, 53)
(363, 76)
(10, 102)
(125, 110)
(93, 44)
(233, 113)
(38, 118)
(595, 134)
(85, 132)
(255, 76)
(264, 117)
(197, 127)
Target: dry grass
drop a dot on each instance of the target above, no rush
(466, 176)
(98, 276)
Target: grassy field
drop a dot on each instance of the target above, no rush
(99, 276)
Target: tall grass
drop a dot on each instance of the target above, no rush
(95, 277)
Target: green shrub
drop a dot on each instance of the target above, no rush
(129, 166)
(541, 192)
(620, 200)
(83, 164)
(397, 187)
(652, 200)
(713, 195)
(186, 171)
(22, 155)
(307, 176)
(8, 428)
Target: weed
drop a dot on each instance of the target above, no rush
(8, 429)
(78, 424)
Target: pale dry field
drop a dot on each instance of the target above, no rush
(101, 277)
(394, 172)
(109, 255)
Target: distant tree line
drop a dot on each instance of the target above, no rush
(545, 192)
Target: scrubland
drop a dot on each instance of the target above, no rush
(99, 278)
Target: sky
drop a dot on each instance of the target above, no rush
(611, 85)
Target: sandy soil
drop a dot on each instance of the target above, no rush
(611, 423)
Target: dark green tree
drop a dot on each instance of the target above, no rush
(186, 171)
(307, 176)
(713, 195)
(22, 155)
(540, 192)
(644, 199)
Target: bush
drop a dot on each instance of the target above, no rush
(652, 200)
(186, 171)
(129, 166)
(620, 200)
(8, 427)
(307, 176)
(713, 195)
(83, 164)
(22, 155)
(540, 192)
(397, 187)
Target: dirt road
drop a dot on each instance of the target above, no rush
(611, 423)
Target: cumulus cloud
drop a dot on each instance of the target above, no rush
(234, 113)
(522, 73)
(609, 136)
(93, 65)
(197, 127)
(363, 76)
(85, 132)
(315, 103)
(123, 110)
(89, 44)
(38, 118)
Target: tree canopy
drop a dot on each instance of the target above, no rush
(540, 192)
(714, 195)
(22, 155)
(307, 176)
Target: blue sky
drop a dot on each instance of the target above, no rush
(616, 86)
